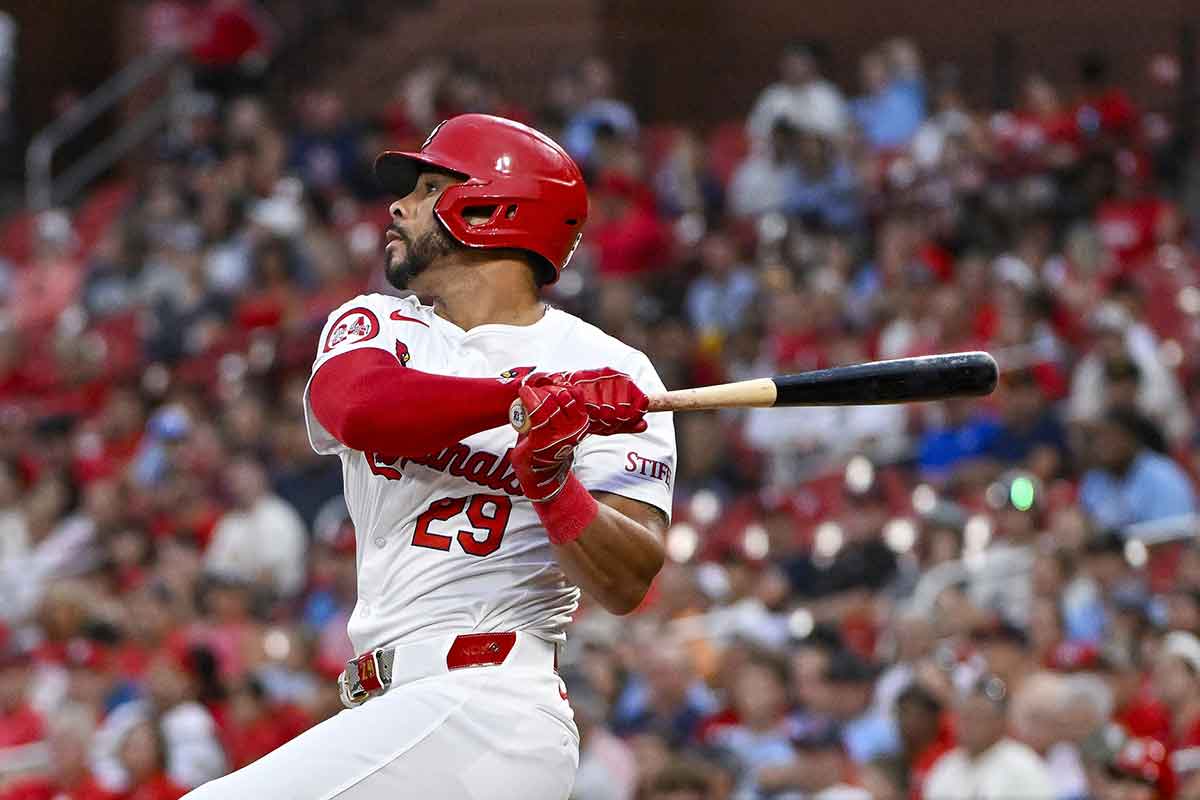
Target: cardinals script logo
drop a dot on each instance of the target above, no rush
(356, 325)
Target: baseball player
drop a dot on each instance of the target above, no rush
(474, 541)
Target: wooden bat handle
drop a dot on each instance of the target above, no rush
(757, 393)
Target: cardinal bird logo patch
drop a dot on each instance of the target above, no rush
(356, 325)
(402, 352)
(514, 374)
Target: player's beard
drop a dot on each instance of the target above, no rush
(420, 253)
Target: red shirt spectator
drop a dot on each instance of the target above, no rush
(45, 788)
(157, 787)
(1126, 227)
(21, 726)
(228, 31)
(629, 236)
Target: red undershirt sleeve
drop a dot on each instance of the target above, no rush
(368, 401)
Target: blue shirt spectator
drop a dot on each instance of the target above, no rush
(668, 699)
(1130, 483)
(830, 195)
(718, 299)
(892, 110)
(964, 437)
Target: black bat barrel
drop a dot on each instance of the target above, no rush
(904, 380)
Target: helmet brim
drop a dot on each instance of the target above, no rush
(397, 171)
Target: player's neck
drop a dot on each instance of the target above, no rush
(496, 292)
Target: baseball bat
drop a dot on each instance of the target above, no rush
(901, 380)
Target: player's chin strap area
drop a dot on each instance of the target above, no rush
(372, 673)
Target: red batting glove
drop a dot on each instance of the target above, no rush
(557, 423)
(613, 402)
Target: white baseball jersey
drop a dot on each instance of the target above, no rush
(447, 542)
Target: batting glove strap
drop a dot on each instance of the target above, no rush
(568, 512)
(543, 454)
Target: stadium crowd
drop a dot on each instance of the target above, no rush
(995, 598)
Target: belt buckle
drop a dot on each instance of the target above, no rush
(367, 667)
(351, 696)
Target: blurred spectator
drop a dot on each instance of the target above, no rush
(70, 777)
(679, 781)
(45, 288)
(685, 183)
(868, 732)
(950, 121)
(1042, 132)
(759, 737)
(717, 301)
(801, 98)
(258, 726)
(23, 732)
(261, 539)
(175, 734)
(824, 770)
(607, 769)
(925, 736)
(763, 181)
(1118, 338)
(1176, 680)
(987, 764)
(599, 108)
(630, 240)
(1104, 109)
(1140, 771)
(892, 107)
(671, 701)
(143, 755)
(324, 148)
(230, 44)
(953, 450)
(1129, 483)
(825, 190)
(1030, 433)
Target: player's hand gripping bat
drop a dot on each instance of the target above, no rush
(903, 380)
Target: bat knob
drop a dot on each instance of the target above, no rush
(517, 416)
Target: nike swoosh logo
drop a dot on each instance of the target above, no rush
(396, 315)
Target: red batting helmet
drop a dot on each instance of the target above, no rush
(534, 191)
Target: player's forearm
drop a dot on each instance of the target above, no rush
(369, 402)
(611, 549)
(614, 560)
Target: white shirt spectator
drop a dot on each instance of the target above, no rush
(760, 185)
(69, 550)
(193, 751)
(842, 791)
(1006, 770)
(267, 538)
(14, 535)
(815, 106)
(786, 433)
(1159, 395)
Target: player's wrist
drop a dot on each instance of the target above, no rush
(568, 512)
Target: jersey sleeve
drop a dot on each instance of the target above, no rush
(640, 466)
(357, 324)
